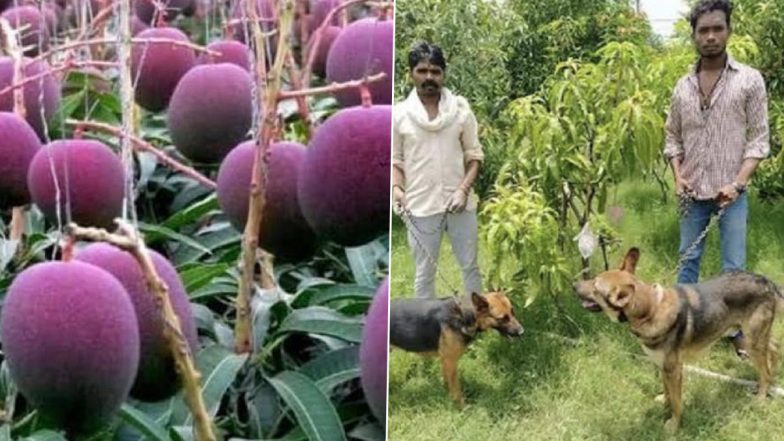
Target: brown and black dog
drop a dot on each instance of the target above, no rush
(681, 323)
(444, 328)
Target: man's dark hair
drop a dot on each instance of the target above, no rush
(424, 51)
(706, 6)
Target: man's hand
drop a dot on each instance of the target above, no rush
(682, 186)
(399, 198)
(727, 195)
(457, 202)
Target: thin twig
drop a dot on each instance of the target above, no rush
(98, 19)
(128, 239)
(126, 100)
(144, 146)
(108, 41)
(311, 53)
(302, 104)
(332, 87)
(18, 84)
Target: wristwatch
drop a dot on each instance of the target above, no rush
(740, 188)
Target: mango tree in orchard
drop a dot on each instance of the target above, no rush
(591, 126)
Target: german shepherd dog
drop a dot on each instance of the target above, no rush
(679, 324)
(444, 328)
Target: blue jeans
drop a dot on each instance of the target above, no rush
(732, 232)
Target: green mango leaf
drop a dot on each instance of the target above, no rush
(323, 295)
(320, 320)
(45, 435)
(201, 275)
(193, 213)
(333, 368)
(222, 235)
(362, 261)
(154, 233)
(313, 410)
(217, 380)
(143, 423)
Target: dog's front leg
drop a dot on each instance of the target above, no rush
(449, 351)
(664, 397)
(672, 373)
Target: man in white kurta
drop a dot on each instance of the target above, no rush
(436, 158)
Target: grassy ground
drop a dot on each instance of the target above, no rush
(598, 386)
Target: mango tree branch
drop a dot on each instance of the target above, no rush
(143, 146)
(267, 90)
(128, 239)
(15, 51)
(331, 88)
(126, 99)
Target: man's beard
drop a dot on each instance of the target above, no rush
(722, 50)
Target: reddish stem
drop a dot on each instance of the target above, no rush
(67, 248)
(71, 64)
(17, 224)
(332, 87)
(141, 145)
(98, 19)
(367, 97)
(303, 22)
(302, 105)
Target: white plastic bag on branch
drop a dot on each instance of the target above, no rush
(586, 241)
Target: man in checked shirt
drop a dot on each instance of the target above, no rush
(436, 157)
(716, 135)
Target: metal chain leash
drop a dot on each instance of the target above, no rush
(414, 229)
(437, 229)
(685, 201)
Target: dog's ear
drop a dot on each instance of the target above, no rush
(455, 308)
(620, 295)
(630, 260)
(480, 303)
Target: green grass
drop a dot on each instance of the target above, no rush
(597, 386)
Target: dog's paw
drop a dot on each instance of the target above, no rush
(761, 396)
(671, 426)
